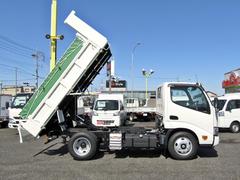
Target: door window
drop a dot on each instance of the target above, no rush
(233, 104)
(190, 97)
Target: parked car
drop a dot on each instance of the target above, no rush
(229, 112)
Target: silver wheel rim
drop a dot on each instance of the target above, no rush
(183, 146)
(235, 128)
(81, 146)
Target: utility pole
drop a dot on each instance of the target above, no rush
(53, 36)
(37, 56)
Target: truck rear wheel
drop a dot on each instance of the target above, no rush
(182, 146)
(235, 127)
(83, 145)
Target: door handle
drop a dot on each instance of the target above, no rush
(173, 117)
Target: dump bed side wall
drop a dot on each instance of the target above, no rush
(75, 71)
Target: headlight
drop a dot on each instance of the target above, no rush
(221, 113)
(95, 113)
(116, 113)
(11, 120)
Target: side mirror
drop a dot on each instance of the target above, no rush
(7, 105)
(91, 107)
(215, 102)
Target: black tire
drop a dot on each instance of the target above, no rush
(235, 127)
(83, 145)
(182, 146)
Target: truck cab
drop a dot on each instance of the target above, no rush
(229, 112)
(17, 104)
(185, 107)
(108, 111)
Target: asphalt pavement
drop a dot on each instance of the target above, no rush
(35, 160)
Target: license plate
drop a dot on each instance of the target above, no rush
(104, 122)
(144, 114)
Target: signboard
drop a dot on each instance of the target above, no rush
(117, 84)
(232, 79)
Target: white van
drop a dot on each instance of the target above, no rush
(108, 111)
(229, 112)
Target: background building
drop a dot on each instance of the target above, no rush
(231, 82)
(13, 90)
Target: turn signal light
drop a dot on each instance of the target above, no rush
(204, 138)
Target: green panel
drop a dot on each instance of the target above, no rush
(52, 78)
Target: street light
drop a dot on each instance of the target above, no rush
(147, 75)
(133, 50)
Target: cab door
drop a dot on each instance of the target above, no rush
(190, 108)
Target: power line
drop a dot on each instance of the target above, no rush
(15, 48)
(19, 69)
(15, 43)
(15, 52)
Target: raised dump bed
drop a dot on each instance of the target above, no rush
(77, 68)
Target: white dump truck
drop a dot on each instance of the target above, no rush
(182, 126)
(108, 111)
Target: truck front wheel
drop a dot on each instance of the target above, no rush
(235, 127)
(83, 145)
(182, 146)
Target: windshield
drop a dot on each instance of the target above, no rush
(220, 104)
(20, 100)
(106, 105)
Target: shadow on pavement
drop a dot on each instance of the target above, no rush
(138, 153)
(63, 150)
(60, 151)
(42, 151)
(224, 130)
(207, 152)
